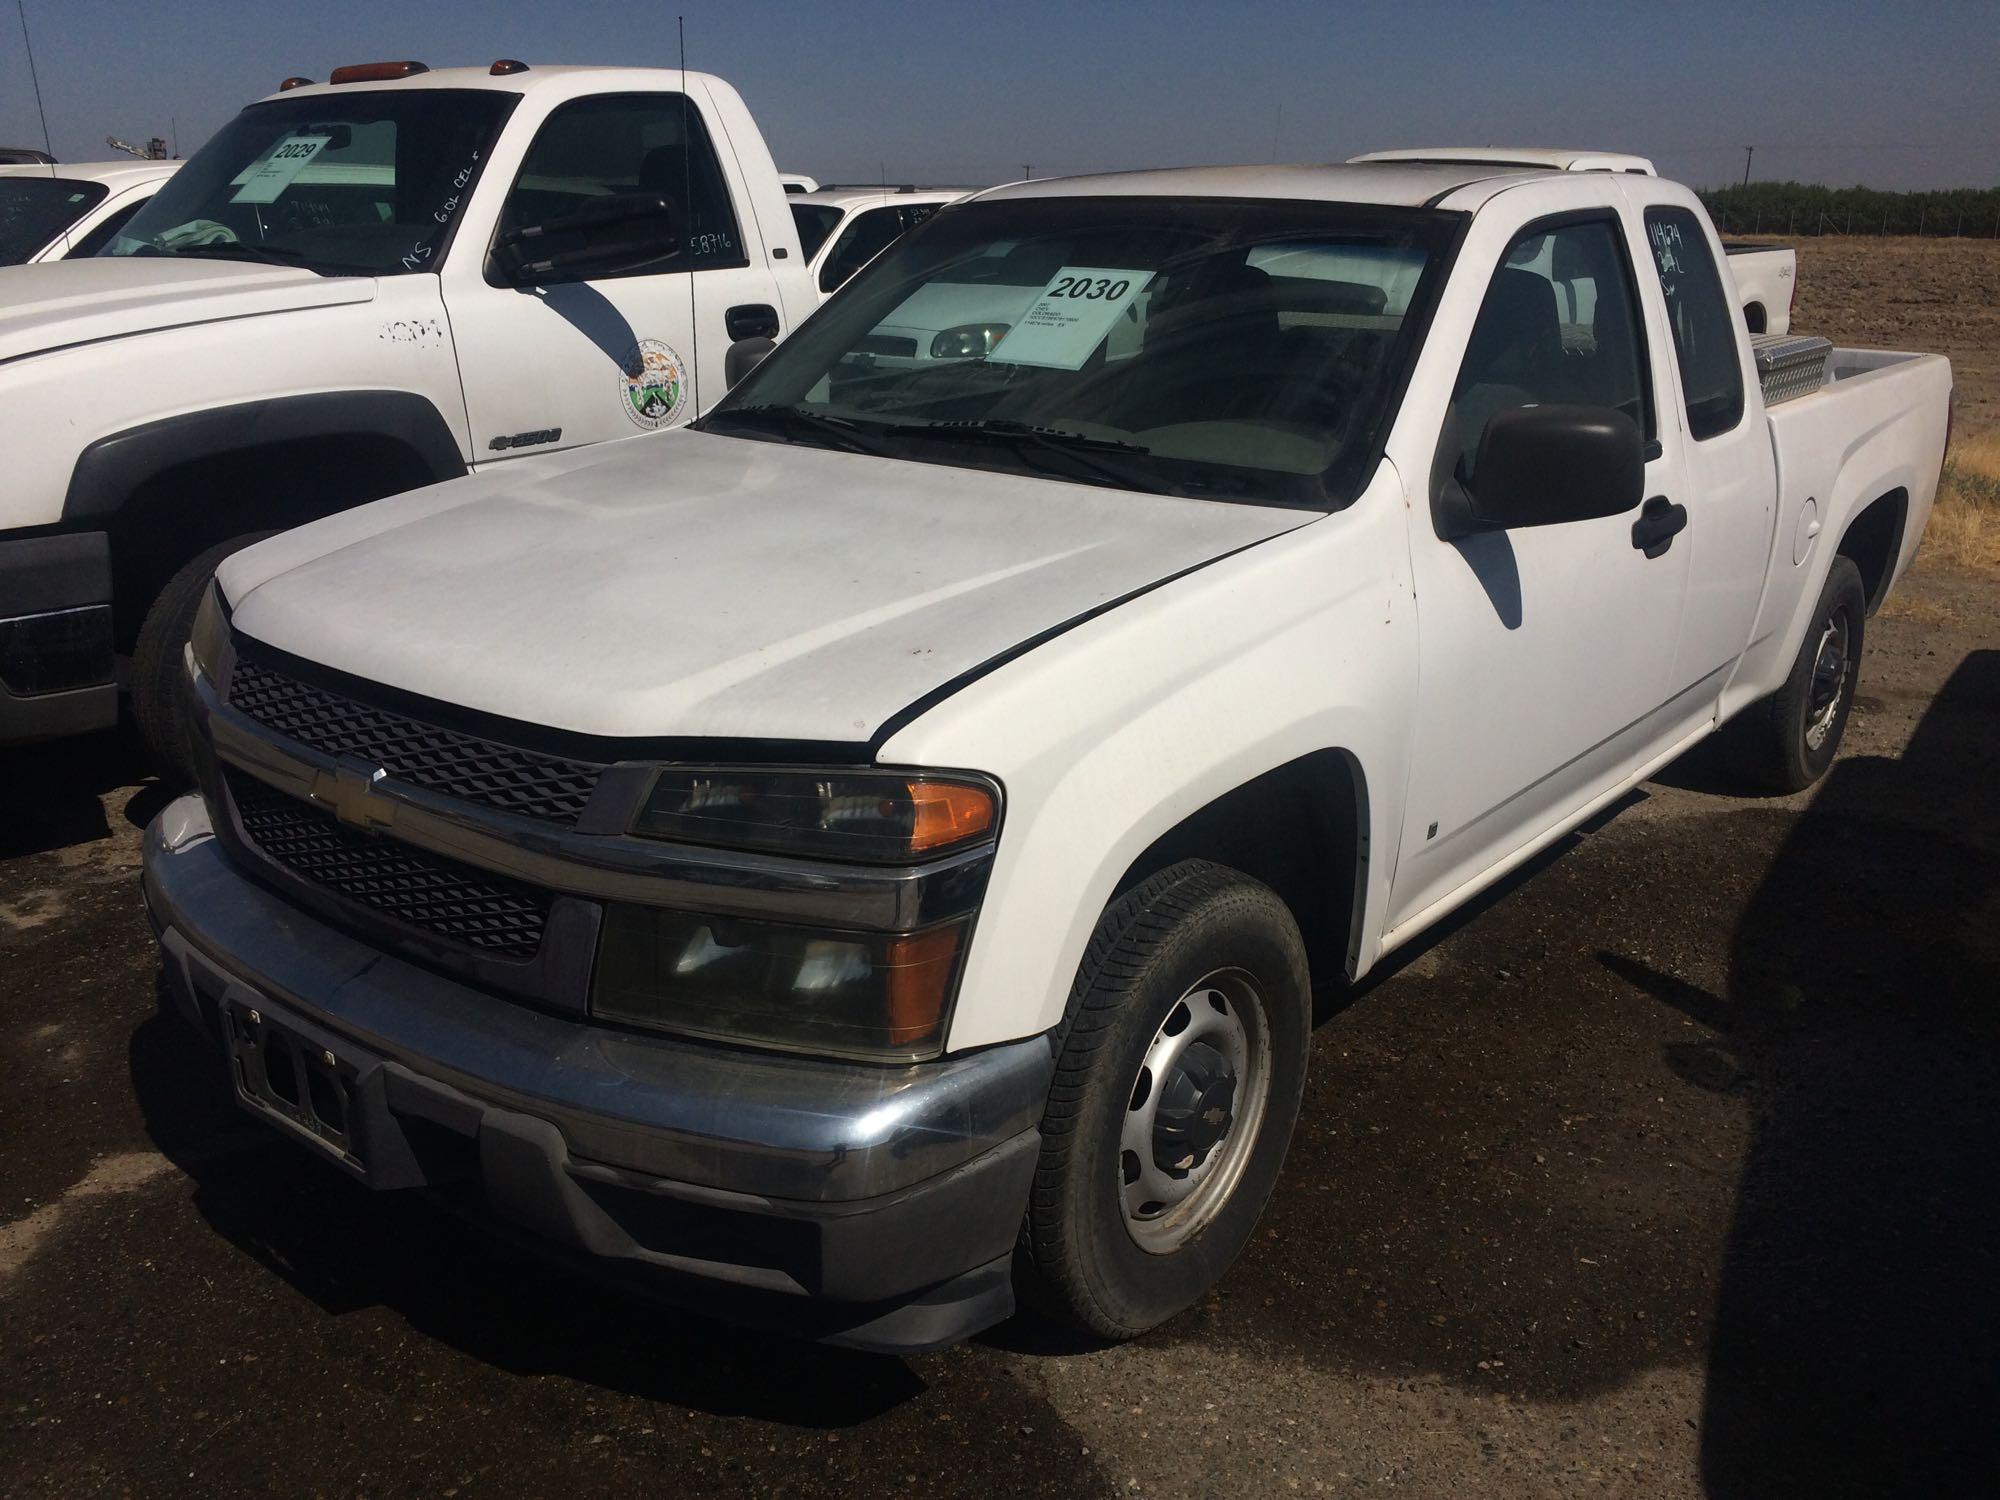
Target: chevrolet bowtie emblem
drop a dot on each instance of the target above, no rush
(349, 792)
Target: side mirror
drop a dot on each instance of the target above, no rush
(612, 236)
(744, 356)
(1544, 465)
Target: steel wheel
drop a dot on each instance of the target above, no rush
(1829, 679)
(1194, 1111)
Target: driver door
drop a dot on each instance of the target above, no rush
(1547, 652)
(583, 360)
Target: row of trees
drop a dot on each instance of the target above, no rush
(1796, 208)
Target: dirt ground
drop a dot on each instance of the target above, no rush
(1673, 1169)
(1941, 296)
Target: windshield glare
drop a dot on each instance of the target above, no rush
(366, 183)
(1235, 349)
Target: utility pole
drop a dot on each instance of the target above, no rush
(1748, 152)
(1027, 171)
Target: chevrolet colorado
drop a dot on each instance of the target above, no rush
(873, 852)
(357, 288)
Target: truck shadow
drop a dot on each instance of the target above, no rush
(52, 795)
(1856, 1339)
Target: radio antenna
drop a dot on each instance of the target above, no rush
(687, 208)
(35, 78)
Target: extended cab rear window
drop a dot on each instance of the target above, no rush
(1698, 311)
(34, 210)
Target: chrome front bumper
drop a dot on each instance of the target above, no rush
(885, 1199)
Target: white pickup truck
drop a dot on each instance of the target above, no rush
(68, 210)
(875, 850)
(358, 288)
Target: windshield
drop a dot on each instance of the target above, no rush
(815, 222)
(366, 183)
(34, 210)
(1233, 349)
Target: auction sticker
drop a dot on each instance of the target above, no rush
(1066, 323)
(653, 383)
(275, 173)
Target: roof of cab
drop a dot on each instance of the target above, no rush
(123, 173)
(1513, 158)
(568, 79)
(1390, 184)
(851, 197)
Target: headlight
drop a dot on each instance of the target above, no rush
(968, 341)
(883, 997)
(211, 632)
(868, 817)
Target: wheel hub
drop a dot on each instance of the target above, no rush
(1196, 1109)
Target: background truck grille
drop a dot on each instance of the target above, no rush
(526, 782)
(485, 911)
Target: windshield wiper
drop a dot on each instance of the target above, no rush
(272, 255)
(840, 432)
(1091, 458)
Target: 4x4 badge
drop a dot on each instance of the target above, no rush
(348, 792)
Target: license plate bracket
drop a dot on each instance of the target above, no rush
(302, 1083)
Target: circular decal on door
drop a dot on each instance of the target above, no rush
(653, 382)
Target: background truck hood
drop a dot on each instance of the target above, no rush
(53, 306)
(689, 584)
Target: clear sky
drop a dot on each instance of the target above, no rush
(1892, 94)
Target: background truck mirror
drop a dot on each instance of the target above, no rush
(744, 356)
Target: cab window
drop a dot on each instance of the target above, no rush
(1703, 326)
(866, 236)
(1559, 324)
(627, 144)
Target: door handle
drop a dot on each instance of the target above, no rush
(753, 320)
(1660, 521)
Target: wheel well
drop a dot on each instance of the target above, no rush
(1873, 540)
(1297, 829)
(184, 510)
(1755, 317)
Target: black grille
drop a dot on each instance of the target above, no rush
(534, 785)
(488, 912)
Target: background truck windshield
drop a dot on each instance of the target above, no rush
(1228, 348)
(368, 182)
(34, 210)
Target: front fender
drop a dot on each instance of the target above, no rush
(1112, 733)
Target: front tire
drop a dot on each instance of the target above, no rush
(1787, 741)
(1177, 1086)
(161, 706)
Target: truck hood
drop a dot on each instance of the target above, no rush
(66, 302)
(689, 584)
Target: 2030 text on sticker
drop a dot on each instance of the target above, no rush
(1071, 316)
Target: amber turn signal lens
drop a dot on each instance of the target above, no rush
(380, 72)
(948, 812)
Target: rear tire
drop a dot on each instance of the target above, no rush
(1786, 742)
(161, 706)
(1177, 1086)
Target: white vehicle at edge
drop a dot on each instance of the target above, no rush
(841, 229)
(880, 844)
(357, 288)
(67, 209)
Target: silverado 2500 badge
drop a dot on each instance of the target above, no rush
(654, 384)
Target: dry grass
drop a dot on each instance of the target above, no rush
(1965, 525)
